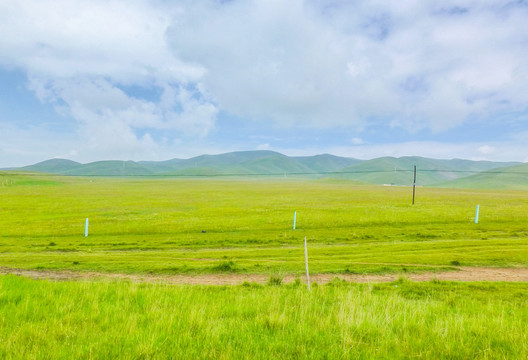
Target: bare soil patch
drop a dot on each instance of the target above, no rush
(463, 274)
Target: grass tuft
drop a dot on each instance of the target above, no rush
(275, 280)
(225, 266)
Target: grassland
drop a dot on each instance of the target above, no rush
(168, 226)
(206, 226)
(108, 320)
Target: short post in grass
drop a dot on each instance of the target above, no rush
(414, 183)
(294, 219)
(86, 228)
(477, 214)
(306, 263)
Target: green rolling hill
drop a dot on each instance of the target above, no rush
(54, 166)
(385, 170)
(326, 162)
(112, 168)
(244, 163)
(235, 163)
(399, 171)
(98, 168)
(512, 177)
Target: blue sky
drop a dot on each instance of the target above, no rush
(153, 80)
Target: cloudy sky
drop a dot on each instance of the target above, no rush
(154, 80)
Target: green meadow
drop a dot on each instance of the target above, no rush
(125, 320)
(170, 226)
(210, 226)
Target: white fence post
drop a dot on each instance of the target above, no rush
(306, 263)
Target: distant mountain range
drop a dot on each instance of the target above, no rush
(385, 170)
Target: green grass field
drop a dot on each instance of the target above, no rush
(201, 226)
(402, 320)
(176, 226)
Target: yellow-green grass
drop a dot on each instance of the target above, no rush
(143, 225)
(124, 320)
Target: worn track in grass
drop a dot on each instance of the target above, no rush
(463, 274)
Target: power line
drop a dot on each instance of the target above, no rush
(275, 174)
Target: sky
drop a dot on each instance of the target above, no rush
(92, 80)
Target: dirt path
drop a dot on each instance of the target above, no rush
(464, 274)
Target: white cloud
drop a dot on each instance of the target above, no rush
(263, 147)
(116, 39)
(486, 149)
(357, 141)
(415, 65)
(79, 56)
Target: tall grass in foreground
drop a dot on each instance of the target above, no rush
(106, 320)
